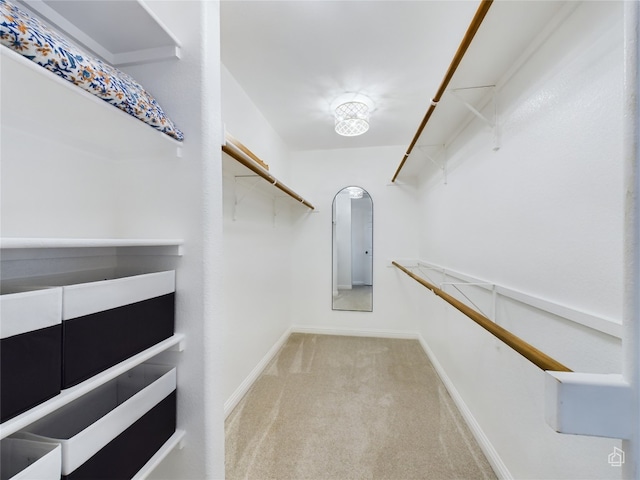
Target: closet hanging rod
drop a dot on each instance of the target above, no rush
(535, 356)
(228, 138)
(237, 155)
(457, 58)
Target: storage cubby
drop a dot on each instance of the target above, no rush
(54, 116)
(108, 321)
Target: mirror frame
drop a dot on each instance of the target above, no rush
(334, 253)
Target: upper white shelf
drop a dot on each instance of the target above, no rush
(123, 245)
(509, 34)
(239, 161)
(37, 101)
(99, 26)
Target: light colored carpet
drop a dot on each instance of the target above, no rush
(339, 408)
(359, 298)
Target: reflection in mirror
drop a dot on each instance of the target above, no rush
(353, 250)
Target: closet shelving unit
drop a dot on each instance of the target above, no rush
(56, 113)
(502, 41)
(240, 162)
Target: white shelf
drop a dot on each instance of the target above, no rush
(132, 246)
(174, 441)
(263, 182)
(57, 115)
(97, 26)
(66, 396)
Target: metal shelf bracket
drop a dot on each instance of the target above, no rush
(237, 198)
(493, 123)
(433, 157)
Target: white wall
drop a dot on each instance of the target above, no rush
(257, 239)
(318, 176)
(543, 215)
(549, 201)
(245, 122)
(181, 199)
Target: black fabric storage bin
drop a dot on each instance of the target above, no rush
(126, 454)
(106, 322)
(30, 349)
(113, 430)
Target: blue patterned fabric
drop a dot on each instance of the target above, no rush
(26, 35)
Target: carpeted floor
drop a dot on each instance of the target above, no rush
(340, 408)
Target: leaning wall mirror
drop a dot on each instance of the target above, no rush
(353, 250)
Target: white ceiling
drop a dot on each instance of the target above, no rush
(294, 58)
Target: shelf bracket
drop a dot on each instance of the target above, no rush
(491, 122)
(441, 165)
(275, 211)
(238, 199)
(456, 285)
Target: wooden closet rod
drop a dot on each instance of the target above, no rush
(462, 49)
(528, 351)
(251, 165)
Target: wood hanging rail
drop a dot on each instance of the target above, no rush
(462, 49)
(528, 351)
(238, 152)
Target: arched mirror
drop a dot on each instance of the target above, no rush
(353, 250)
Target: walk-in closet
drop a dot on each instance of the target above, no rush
(319, 239)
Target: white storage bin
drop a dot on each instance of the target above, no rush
(30, 349)
(29, 460)
(105, 322)
(91, 423)
(86, 298)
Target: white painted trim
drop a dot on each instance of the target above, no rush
(601, 324)
(489, 451)
(248, 382)
(349, 332)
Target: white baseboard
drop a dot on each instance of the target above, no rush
(489, 451)
(244, 387)
(350, 332)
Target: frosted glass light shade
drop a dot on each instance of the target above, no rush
(352, 118)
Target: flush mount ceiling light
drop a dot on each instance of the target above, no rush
(352, 114)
